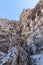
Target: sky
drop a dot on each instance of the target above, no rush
(12, 9)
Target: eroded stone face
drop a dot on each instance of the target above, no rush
(36, 59)
(30, 20)
(36, 52)
(21, 40)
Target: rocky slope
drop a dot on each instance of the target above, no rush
(20, 40)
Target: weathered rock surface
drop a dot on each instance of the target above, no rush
(22, 41)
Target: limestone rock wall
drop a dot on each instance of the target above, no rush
(20, 40)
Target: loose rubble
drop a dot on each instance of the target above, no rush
(21, 42)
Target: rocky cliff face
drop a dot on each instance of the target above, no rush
(19, 40)
(31, 22)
